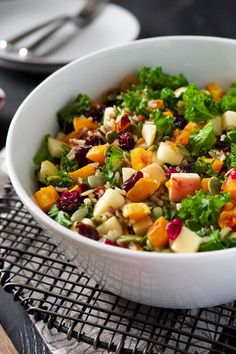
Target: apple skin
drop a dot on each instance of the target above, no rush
(182, 185)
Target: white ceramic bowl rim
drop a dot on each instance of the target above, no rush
(45, 219)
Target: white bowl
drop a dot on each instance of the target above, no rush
(166, 280)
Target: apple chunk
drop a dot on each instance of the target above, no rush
(111, 198)
(186, 242)
(155, 171)
(169, 153)
(182, 185)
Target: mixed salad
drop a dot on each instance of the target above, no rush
(151, 167)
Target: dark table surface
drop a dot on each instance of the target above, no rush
(157, 18)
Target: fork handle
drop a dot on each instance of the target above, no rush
(13, 40)
(33, 46)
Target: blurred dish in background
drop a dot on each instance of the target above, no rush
(115, 25)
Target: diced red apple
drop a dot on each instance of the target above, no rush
(169, 153)
(183, 184)
(155, 172)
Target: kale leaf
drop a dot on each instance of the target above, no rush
(135, 101)
(113, 164)
(203, 140)
(233, 156)
(68, 165)
(168, 96)
(60, 217)
(78, 106)
(199, 106)
(228, 101)
(214, 243)
(43, 154)
(164, 124)
(203, 208)
(157, 79)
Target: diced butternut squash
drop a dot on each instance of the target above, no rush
(204, 184)
(217, 165)
(136, 211)
(46, 197)
(229, 186)
(82, 172)
(80, 123)
(216, 91)
(143, 189)
(72, 135)
(157, 234)
(183, 138)
(227, 218)
(140, 158)
(141, 227)
(97, 154)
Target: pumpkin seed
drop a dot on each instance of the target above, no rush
(214, 185)
(96, 181)
(111, 136)
(79, 214)
(126, 239)
(156, 213)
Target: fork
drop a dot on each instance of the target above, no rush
(81, 19)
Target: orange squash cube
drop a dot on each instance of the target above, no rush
(140, 158)
(143, 189)
(136, 211)
(157, 234)
(46, 197)
(97, 154)
(82, 172)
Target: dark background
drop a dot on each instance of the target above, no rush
(157, 18)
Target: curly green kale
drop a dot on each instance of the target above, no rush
(135, 101)
(113, 163)
(157, 79)
(199, 106)
(228, 101)
(202, 140)
(164, 124)
(78, 106)
(202, 209)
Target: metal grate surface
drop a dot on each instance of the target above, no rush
(51, 289)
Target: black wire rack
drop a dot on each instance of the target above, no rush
(51, 289)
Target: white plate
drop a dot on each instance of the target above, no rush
(115, 25)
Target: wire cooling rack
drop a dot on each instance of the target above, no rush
(51, 289)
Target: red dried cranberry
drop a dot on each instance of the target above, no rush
(99, 191)
(80, 155)
(180, 122)
(223, 145)
(127, 185)
(170, 171)
(83, 187)
(233, 174)
(126, 141)
(111, 243)
(96, 112)
(69, 201)
(174, 228)
(94, 140)
(87, 231)
(122, 123)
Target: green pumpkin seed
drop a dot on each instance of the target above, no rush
(156, 213)
(126, 239)
(214, 185)
(96, 181)
(79, 214)
(111, 136)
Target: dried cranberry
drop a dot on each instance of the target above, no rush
(126, 141)
(180, 122)
(111, 243)
(122, 123)
(80, 155)
(184, 169)
(96, 112)
(99, 191)
(127, 185)
(94, 140)
(174, 228)
(170, 171)
(83, 187)
(223, 145)
(87, 231)
(69, 201)
(233, 174)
